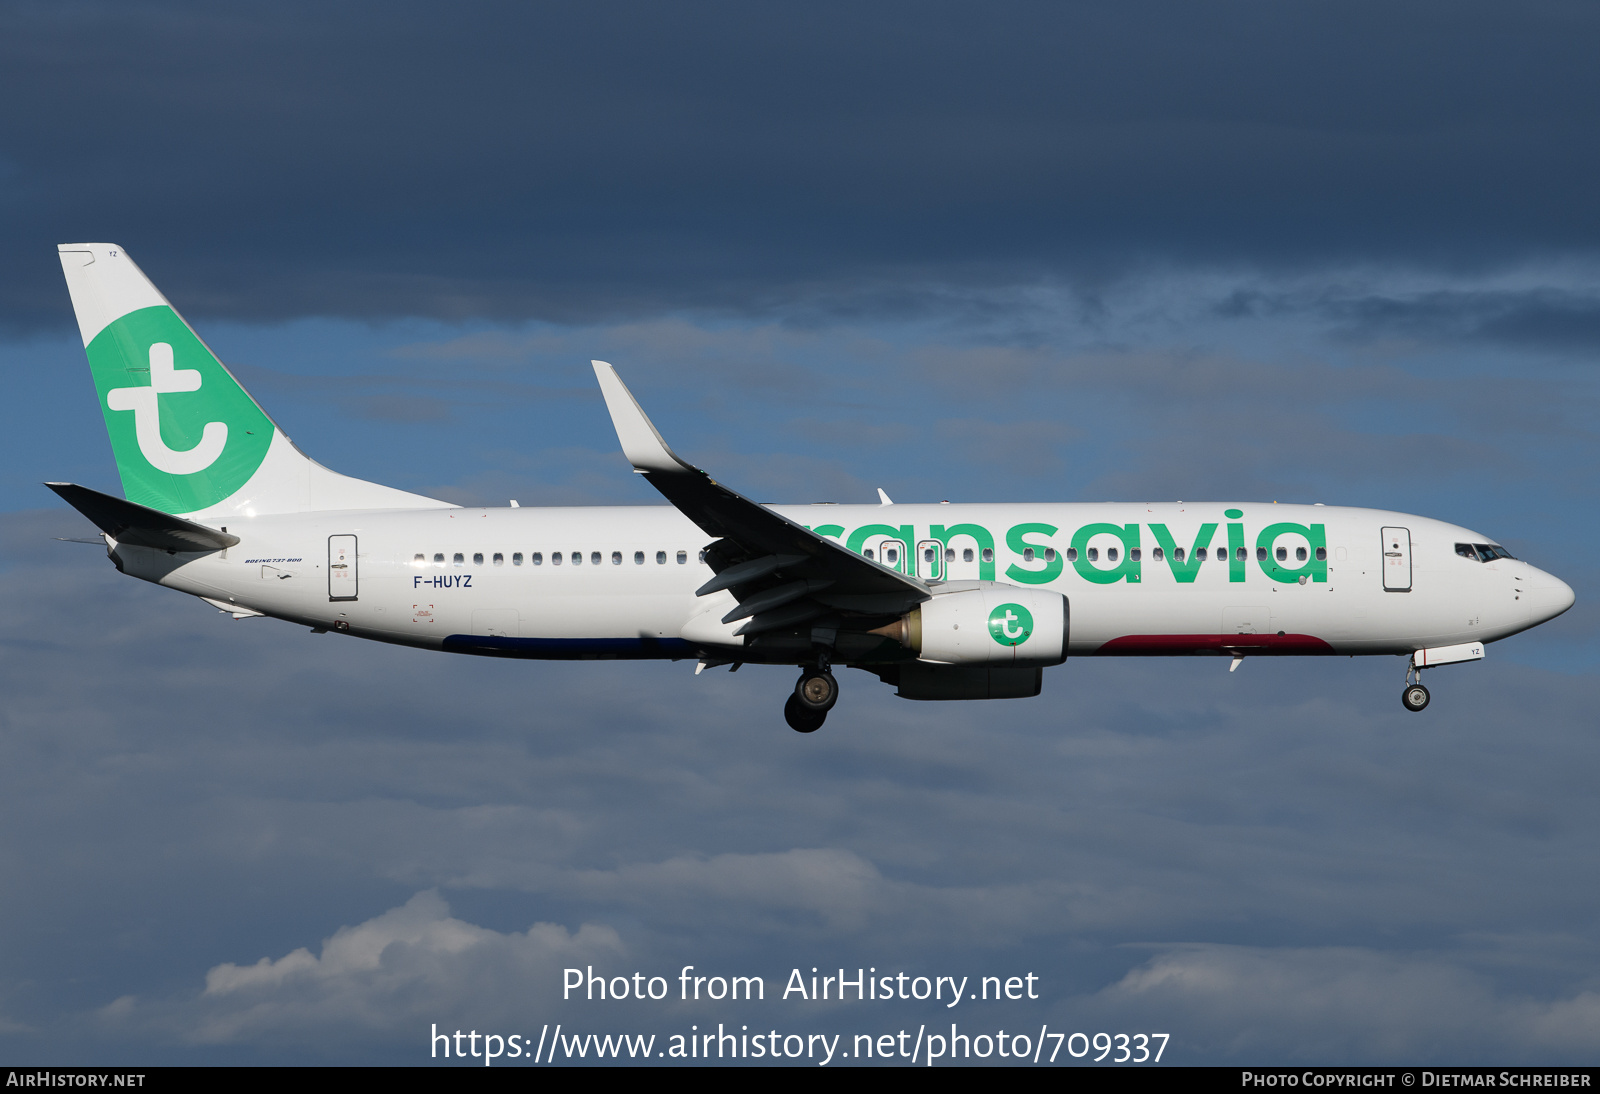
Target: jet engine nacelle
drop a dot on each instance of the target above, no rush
(988, 623)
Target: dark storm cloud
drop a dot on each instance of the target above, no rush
(1543, 319)
(608, 159)
(1561, 320)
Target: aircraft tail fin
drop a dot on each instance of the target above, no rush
(187, 436)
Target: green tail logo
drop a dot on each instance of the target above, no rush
(184, 433)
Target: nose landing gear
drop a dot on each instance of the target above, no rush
(814, 695)
(1415, 697)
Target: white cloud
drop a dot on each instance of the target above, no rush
(1289, 1004)
(411, 966)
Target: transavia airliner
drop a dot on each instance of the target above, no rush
(940, 601)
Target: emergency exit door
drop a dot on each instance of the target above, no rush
(1396, 560)
(891, 552)
(343, 578)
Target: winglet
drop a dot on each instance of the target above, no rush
(641, 442)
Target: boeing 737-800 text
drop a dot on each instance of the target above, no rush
(946, 601)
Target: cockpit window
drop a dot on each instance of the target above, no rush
(1483, 552)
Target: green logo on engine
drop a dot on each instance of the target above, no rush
(1010, 624)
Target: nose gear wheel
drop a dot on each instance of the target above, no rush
(1415, 697)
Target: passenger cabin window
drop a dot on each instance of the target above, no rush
(1157, 553)
(1243, 554)
(929, 554)
(418, 560)
(1135, 554)
(867, 552)
(555, 558)
(516, 558)
(988, 554)
(499, 559)
(1283, 554)
(459, 559)
(1177, 553)
(616, 558)
(891, 556)
(1299, 554)
(683, 558)
(1094, 554)
(438, 558)
(577, 557)
(1322, 554)
(1261, 554)
(661, 558)
(594, 558)
(638, 558)
(1049, 554)
(1111, 554)
(1200, 554)
(537, 558)
(1072, 554)
(966, 554)
(1027, 554)
(477, 558)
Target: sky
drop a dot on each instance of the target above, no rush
(1343, 253)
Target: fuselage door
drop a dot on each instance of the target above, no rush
(889, 551)
(1397, 560)
(343, 579)
(930, 560)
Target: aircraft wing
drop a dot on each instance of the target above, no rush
(782, 574)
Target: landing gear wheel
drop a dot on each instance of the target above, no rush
(802, 719)
(817, 691)
(1415, 697)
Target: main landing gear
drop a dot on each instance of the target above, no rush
(1415, 696)
(814, 695)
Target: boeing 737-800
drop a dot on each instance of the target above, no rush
(946, 601)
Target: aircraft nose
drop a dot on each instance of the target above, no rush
(1548, 596)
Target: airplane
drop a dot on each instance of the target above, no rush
(941, 601)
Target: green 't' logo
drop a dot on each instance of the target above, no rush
(1010, 624)
(185, 434)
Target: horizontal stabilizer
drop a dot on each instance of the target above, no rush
(139, 525)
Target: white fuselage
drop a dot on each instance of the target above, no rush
(625, 584)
